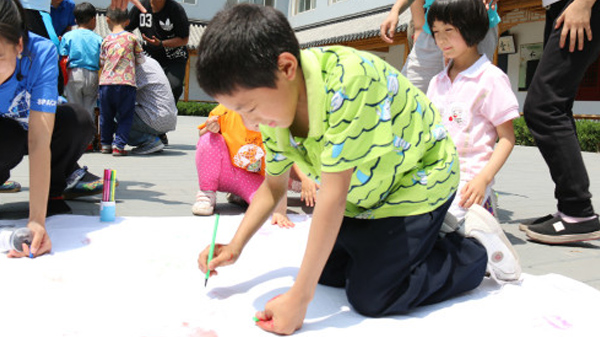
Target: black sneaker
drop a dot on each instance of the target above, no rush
(523, 225)
(164, 139)
(557, 231)
(88, 184)
(10, 187)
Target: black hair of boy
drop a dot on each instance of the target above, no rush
(240, 48)
(117, 16)
(468, 16)
(84, 13)
(12, 22)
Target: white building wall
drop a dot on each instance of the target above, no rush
(324, 10)
(395, 56)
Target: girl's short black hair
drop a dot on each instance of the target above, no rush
(240, 48)
(84, 13)
(468, 16)
(12, 22)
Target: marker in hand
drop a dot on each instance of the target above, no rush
(212, 249)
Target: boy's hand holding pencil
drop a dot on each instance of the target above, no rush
(223, 255)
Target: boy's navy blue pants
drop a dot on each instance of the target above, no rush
(392, 265)
(117, 102)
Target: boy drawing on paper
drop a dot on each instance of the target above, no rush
(387, 169)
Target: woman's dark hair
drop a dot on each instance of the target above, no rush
(468, 16)
(12, 22)
(84, 12)
(240, 48)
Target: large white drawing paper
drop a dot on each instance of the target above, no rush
(139, 277)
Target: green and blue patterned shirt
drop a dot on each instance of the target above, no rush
(365, 116)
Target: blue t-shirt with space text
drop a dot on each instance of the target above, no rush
(34, 84)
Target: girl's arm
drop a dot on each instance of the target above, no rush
(41, 125)
(211, 125)
(279, 216)
(474, 191)
(285, 314)
(264, 201)
(309, 187)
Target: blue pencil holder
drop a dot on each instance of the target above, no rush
(107, 211)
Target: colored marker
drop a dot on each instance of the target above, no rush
(255, 319)
(212, 249)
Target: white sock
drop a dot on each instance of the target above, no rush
(573, 219)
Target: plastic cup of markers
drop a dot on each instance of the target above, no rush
(107, 211)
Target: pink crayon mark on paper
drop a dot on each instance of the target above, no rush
(558, 322)
(198, 332)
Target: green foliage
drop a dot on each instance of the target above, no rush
(195, 108)
(522, 134)
(588, 132)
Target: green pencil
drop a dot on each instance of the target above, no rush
(212, 249)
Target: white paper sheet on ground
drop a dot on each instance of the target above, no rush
(139, 277)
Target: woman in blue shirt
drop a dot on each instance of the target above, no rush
(31, 121)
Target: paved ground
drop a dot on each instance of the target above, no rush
(165, 185)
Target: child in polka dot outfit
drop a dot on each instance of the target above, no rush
(230, 158)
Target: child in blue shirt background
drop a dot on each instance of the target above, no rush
(82, 49)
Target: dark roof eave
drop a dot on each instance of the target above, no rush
(349, 37)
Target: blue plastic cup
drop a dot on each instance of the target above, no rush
(107, 211)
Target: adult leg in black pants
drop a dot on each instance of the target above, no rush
(549, 116)
(73, 130)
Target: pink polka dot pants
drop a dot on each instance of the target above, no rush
(217, 173)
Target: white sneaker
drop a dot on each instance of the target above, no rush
(205, 203)
(503, 261)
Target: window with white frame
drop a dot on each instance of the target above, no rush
(305, 5)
